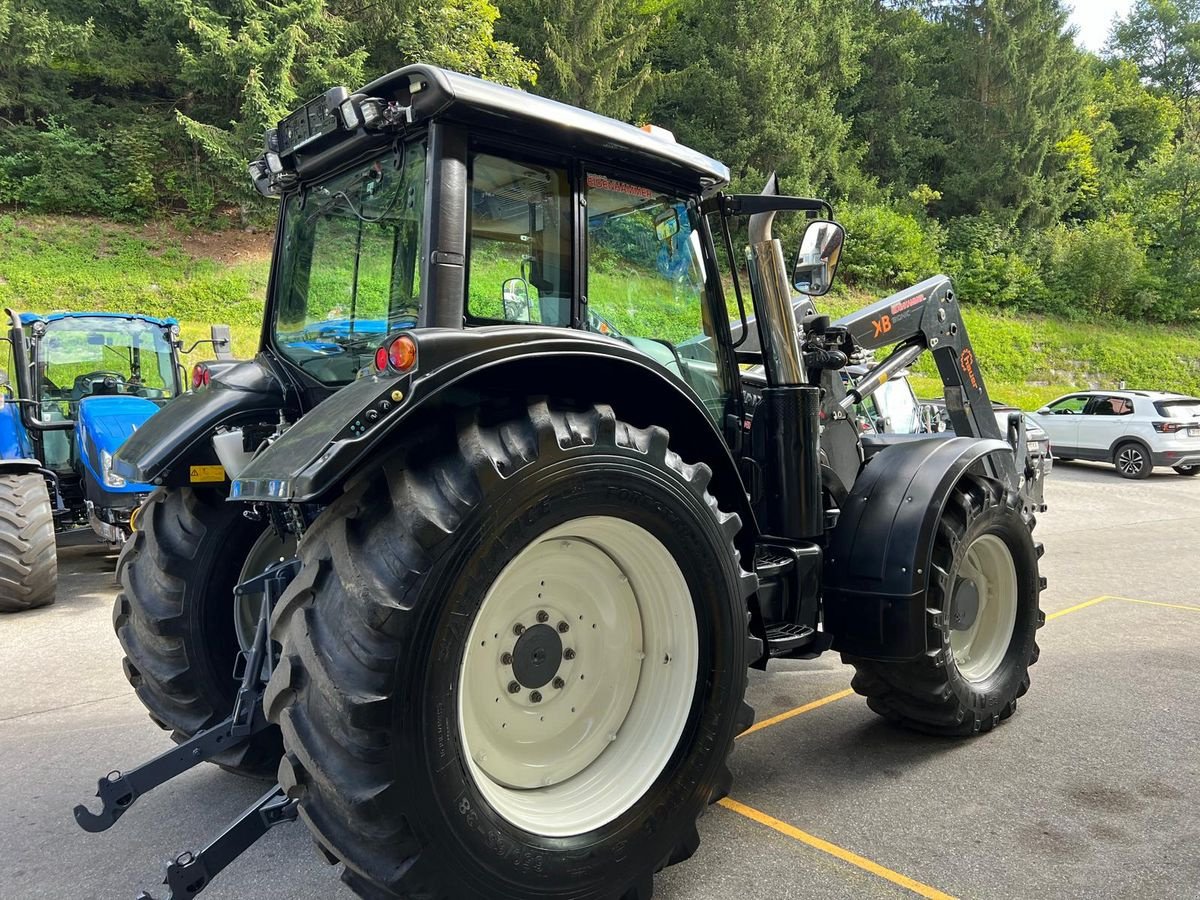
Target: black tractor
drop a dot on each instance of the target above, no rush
(504, 527)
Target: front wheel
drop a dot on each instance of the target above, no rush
(982, 615)
(28, 556)
(1187, 470)
(514, 662)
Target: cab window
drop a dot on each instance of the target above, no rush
(521, 266)
(646, 282)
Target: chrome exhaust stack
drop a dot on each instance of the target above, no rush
(772, 292)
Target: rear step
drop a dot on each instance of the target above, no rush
(789, 578)
(783, 638)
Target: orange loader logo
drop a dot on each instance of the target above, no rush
(967, 361)
(882, 325)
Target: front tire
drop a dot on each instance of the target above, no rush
(177, 619)
(28, 556)
(982, 617)
(440, 654)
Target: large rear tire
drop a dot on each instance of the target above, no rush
(514, 662)
(28, 557)
(176, 616)
(982, 618)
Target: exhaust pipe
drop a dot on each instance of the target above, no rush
(786, 431)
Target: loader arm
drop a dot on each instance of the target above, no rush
(925, 317)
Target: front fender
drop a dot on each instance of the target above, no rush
(179, 433)
(878, 566)
(361, 422)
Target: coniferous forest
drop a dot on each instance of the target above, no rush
(970, 136)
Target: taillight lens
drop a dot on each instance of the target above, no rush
(381, 359)
(201, 376)
(1168, 427)
(402, 353)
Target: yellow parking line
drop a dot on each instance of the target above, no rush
(1078, 606)
(783, 717)
(1158, 603)
(834, 850)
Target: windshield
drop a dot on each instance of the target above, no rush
(894, 403)
(348, 270)
(90, 355)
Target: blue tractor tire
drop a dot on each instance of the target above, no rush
(28, 556)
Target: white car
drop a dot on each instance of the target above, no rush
(1134, 430)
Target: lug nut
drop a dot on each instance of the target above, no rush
(518, 629)
(563, 627)
(506, 659)
(535, 697)
(559, 684)
(514, 687)
(568, 653)
(543, 616)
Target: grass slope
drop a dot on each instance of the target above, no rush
(70, 264)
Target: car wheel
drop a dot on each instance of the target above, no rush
(1187, 470)
(1132, 461)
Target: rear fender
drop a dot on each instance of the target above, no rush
(878, 564)
(177, 437)
(455, 370)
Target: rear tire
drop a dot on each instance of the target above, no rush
(175, 617)
(982, 648)
(28, 557)
(1187, 470)
(1132, 461)
(402, 681)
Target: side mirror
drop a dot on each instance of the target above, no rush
(817, 261)
(1044, 411)
(518, 307)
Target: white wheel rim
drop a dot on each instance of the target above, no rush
(583, 753)
(267, 551)
(980, 648)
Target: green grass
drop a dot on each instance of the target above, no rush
(51, 264)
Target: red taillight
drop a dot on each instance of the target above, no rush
(201, 376)
(381, 359)
(402, 353)
(1169, 427)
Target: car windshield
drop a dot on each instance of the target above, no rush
(1188, 408)
(82, 356)
(348, 269)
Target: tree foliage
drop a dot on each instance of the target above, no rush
(968, 135)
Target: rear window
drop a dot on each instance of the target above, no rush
(1187, 408)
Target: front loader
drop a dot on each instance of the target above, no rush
(503, 522)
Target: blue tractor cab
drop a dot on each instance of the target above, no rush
(76, 387)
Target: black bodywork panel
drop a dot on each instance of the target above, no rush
(179, 433)
(877, 567)
(357, 425)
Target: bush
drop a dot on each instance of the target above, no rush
(1097, 267)
(985, 258)
(887, 248)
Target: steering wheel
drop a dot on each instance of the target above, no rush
(89, 379)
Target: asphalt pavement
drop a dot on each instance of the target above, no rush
(1091, 790)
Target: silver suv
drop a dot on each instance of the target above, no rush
(1134, 430)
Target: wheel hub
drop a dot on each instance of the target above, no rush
(537, 656)
(965, 607)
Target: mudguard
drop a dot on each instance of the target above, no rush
(102, 424)
(178, 435)
(364, 420)
(878, 564)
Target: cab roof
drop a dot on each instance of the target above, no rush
(29, 318)
(432, 92)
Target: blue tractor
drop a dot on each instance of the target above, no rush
(75, 387)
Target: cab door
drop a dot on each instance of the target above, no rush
(1061, 421)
